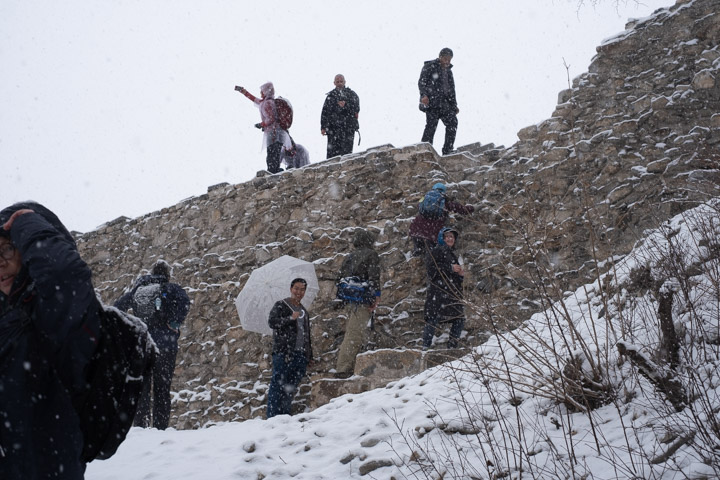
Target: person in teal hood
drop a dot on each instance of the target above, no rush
(444, 298)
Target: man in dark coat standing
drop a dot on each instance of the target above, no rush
(437, 99)
(339, 119)
(444, 297)
(49, 326)
(163, 306)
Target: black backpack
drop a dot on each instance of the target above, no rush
(122, 362)
(150, 304)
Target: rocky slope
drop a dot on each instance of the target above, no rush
(634, 141)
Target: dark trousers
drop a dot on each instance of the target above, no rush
(440, 308)
(162, 374)
(288, 370)
(339, 142)
(273, 157)
(422, 247)
(449, 119)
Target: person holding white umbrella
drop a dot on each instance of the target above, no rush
(292, 350)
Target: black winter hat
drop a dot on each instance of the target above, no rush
(162, 268)
(41, 210)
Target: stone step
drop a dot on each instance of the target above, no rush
(376, 369)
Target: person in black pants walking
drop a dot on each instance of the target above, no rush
(437, 99)
(163, 306)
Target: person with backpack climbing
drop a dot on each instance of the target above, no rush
(438, 100)
(49, 330)
(273, 124)
(292, 349)
(433, 213)
(444, 296)
(339, 118)
(358, 287)
(162, 306)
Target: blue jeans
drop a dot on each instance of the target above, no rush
(288, 370)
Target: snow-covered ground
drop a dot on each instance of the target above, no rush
(495, 412)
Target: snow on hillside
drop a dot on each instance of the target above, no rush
(511, 406)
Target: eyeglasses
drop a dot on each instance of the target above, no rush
(7, 251)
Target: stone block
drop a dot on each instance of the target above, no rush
(388, 364)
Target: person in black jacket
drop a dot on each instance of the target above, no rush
(339, 118)
(163, 306)
(444, 296)
(292, 350)
(49, 326)
(437, 99)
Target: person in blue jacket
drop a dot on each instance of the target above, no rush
(49, 326)
(163, 306)
(444, 297)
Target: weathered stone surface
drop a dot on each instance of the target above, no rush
(635, 142)
(386, 364)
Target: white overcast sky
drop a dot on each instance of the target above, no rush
(123, 107)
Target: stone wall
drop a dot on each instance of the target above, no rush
(635, 140)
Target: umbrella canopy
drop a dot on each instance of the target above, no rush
(271, 283)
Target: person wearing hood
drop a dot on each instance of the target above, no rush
(444, 297)
(162, 306)
(363, 264)
(424, 230)
(274, 137)
(339, 118)
(49, 330)
(438, 100)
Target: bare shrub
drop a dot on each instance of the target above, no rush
(565, 395)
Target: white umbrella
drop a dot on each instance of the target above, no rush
(271, 283)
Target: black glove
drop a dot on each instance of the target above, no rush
(259, 125)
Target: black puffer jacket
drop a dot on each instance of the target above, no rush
(285, 329)
(430, 84)
(49, 324)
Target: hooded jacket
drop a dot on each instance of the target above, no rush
(49, 325)
(268, 114)
(444, 282)
(363, 262)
